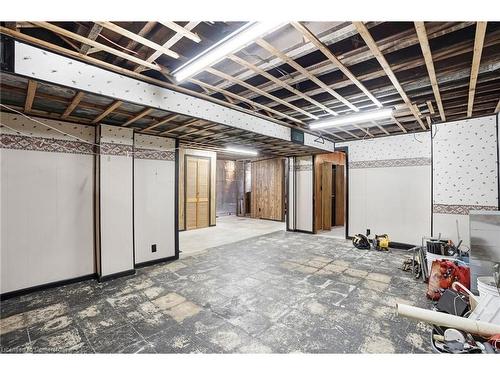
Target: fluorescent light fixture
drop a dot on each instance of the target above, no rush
(230, 44)
(352, 119)
(235, 150)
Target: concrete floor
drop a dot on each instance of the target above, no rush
(228, 229)
(280, 292)
(335, 232)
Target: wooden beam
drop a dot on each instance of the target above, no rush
(497, 109)
(372, 45)
(259, 91)
(182, 31)
(426, 51)
(262, 43)
(399, 125)
(196, 131)
(161, 122)
(92, 35)
(279, 82)
(69, 34)
(324, 49)
(476, 62)
(189, 123)
(169, 43)
(146, 29)
(107, 111)
(139, 39)
(431, 107)
(30, 95)
(74, 103)
(243, 99)
(138, 116)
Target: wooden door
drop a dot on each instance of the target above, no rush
(326, 195)
(339, 195)
(197, 192)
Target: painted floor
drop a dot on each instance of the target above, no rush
(281, 292)
(228, 229)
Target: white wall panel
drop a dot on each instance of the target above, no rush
(154, 197)
(390, 186)
(115, 196)
(46, 203)
(465, 173)
(304, 184)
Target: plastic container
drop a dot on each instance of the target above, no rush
(486, 286)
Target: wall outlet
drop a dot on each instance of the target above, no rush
(153, 248)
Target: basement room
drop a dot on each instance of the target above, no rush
(249, 185)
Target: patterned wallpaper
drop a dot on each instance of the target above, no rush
(465, 165)
(392, 151)
(154, 148)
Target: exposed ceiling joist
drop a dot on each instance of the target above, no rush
(69, 34)
(279, 82)
(107, 111)
(426, 51)
(30, 95)
(370, 42)
(182, 31)
(189, 123)
(261, 92)
(497, 108)
(92, 35)
(196, 131)
(138, 116)
(163, 121)
(139, 39)
(476, 61)
(326, 51)
(267, 46)
(74, 103)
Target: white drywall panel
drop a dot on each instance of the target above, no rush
(154, 197)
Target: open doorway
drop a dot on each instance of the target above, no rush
(330, 197)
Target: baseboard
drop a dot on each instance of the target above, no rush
(116, 275)
(54, 284)
(301, 231)
(400, 245)
(156, 261)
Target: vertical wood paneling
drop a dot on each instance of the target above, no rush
(268, 189)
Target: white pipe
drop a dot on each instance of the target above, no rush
(476, 327)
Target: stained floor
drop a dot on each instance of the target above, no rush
(280, 292)
(229, 229)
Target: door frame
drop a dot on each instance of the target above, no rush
(209, 186)
(345, 150)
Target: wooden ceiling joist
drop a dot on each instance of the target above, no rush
(268, 47)
(169, 43)
(426, 51)
(139, 39)
(180, 127)
(243, 99)
(108, 110)
(259, 91)
(94, 32)
(163, 121)
(138, 116)
(30, 95)
(69, 34)
(197, 131)
(430, 106)
(74, 103)
(324, 49)
(497, 108)
(182, 31)
(476, 61)
(372, 45)
(144, 31)
(280, 83)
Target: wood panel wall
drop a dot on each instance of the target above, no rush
(213, 172)
(268, 189)
(336, 158)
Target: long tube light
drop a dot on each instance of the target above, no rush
(235, 150)
(230, 44)
(352, 119)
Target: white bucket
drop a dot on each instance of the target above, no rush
(486, 286)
